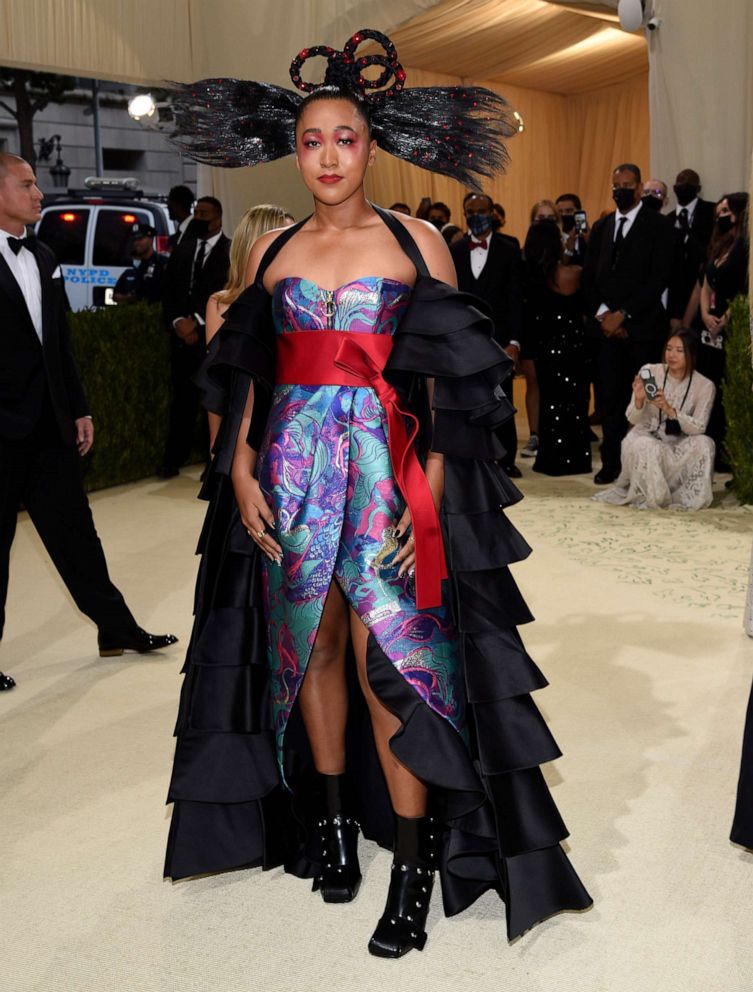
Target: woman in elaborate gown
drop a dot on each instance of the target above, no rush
(335, 684)
(667, 460)
(556, 339)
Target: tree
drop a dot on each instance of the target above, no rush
(33, 91)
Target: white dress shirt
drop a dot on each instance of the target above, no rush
(26, 272)
(479, 255)
(690, 207)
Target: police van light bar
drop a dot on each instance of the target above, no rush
(104, 183)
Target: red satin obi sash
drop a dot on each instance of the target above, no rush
(342, 358)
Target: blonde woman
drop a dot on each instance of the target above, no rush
(255, 222)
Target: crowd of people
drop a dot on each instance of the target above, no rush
(359, 369)
(583, 309)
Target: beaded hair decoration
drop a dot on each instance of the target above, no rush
(457, 131)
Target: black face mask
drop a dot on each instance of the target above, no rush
(624, 198)
(438, 222)
(568, 223)
(685, 193)
(651, 202)
(197, 229)
(725, 223)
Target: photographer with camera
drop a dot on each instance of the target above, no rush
(667, 459)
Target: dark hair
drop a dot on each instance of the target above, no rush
(399, 206)
(441, 206)
(720, 244)
(485, 196)
(336, 93)
(213, 202)
(689, 339)
(500, 209)
(542, 251)
(182, 195)
(570, 196)
(449, 231)
(629, 167)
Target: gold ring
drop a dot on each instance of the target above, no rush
(261, 534)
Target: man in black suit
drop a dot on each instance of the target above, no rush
(693, 224)
(627, 267)
(197, 268)
(489, 266)
(44, 422)
(179, 203)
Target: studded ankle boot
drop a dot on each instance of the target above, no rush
(402, 925)
(340, 873)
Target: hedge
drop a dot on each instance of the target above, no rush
(123, 356)
(737, 397)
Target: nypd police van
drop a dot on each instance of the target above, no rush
(89, 231)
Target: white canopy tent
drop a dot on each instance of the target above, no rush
(586, 90)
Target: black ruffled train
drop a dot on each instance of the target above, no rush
(500, 827)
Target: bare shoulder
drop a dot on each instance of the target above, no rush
(432, 246)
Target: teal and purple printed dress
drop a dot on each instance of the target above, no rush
(325, 470)
(457, 677)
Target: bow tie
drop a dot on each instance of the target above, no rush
(16, 244)
(483, 243)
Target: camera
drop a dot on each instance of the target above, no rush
(649, 384)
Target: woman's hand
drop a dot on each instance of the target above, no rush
(435, 477)
(639, 393)
(712, 324)
(660, 401)
(256, 515)
(407, 554)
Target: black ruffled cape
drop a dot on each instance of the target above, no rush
(500, 827)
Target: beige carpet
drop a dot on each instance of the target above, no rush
(639, 631)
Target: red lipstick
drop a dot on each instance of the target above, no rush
(329, 179)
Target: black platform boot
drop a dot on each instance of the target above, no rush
(401, 927)
(340, 872)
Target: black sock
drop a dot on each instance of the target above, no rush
(412, 842)
(333, 794)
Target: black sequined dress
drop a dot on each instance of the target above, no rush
(554, 325)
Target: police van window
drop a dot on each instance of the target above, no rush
(64, 231)
(111, 235)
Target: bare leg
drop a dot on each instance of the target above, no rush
(532, 394)
(407, 793)
(324, 694)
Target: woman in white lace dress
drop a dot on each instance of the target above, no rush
(667, 460)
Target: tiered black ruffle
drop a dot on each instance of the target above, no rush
(501, 828)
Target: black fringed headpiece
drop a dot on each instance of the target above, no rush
(457, 131)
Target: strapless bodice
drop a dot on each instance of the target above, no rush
(371, 305)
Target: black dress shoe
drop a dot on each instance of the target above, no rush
(111, 645)
(340, 874)
(605, 476)
(167, 472)
(6, 682)
(513, 472)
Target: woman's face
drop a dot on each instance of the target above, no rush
(674, 355)
(723, 210)
(333, 150)
(545, 213)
